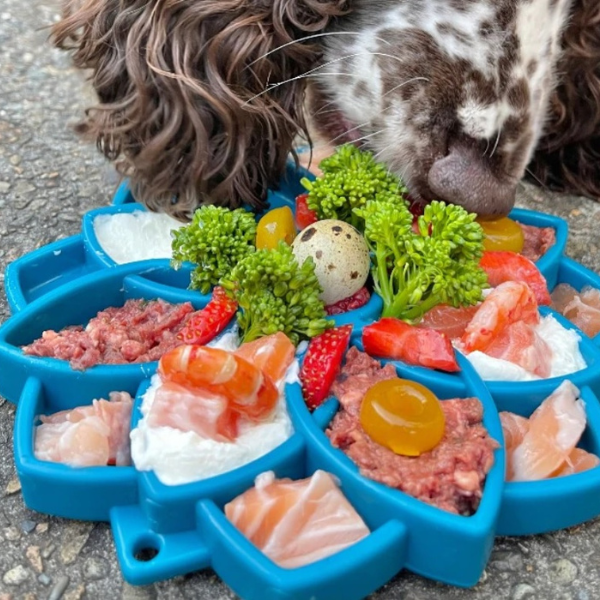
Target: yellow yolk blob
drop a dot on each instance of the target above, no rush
(502, 235)
(403, 416)
(277, 225)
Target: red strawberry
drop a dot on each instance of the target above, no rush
(351, 303)
(322, 362)
(205, 324)
(397, 340)
(304, 216)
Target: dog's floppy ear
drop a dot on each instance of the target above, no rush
(568, 156)
(192, 101)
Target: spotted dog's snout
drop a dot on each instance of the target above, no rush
(465, 177)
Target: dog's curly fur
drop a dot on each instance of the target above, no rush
(201, 100)
(568, 157)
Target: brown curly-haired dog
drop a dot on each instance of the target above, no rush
(201, 100)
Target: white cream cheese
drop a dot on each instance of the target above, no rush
(566, 357)
(179, 457)
(140, 235)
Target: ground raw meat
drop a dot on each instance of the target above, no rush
(537, 240)
(139, 331)
(451, 476)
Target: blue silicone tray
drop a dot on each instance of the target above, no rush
(69, 281)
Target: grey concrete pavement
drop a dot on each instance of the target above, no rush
(48, 180)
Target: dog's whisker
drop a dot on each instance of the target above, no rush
(396, 87)
(497, 141)
(311, 37)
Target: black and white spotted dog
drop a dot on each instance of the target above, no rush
(201, 100)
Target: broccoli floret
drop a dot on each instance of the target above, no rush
(414, 272)
(216, 240)
(275, 293)
(351, 178)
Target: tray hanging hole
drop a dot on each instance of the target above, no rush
(146, 549)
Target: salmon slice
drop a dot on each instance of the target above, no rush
(508, 303)
(520, 344)
(272, 354)
(514, 428)
(448, 320)
(93, 435)
(578, 460)
(561, 296)
(296, 523)
(206, 414)
(554, 430)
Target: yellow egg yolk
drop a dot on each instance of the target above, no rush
(403, 416)
(277, 225)
(502, 235)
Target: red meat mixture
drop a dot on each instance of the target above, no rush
(451, 476)
(537, 241)
(139, 331)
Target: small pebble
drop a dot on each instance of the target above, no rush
(15, 576)
(13, 486)
(95, 568)
(563, 571)
(4, 187)
(11, 533)
(59, 588)
(44, 579)
(28, 526)
(76, 593)
(522, 591)
(48, 550)
(33, 555)
(41, 527)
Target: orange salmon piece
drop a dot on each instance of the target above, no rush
(272, 354)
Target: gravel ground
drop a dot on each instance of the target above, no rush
(48, 180)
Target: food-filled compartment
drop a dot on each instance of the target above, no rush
(577, 297)
(121, 296)
(431, 530)
(74, 462)
(553, 462)
(544, 245)
(527, 395)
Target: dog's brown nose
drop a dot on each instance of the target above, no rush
(464, 177)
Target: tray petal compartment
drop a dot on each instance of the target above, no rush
(578, 276)
(430, 529)
(86, 493)
(548, 264)
(75, 304)
(532, 507)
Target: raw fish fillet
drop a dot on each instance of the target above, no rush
(519, 343)
(204, 413)
(554, 430)
(272, 354)
(514, 428)
(94, 435)
(448, 320)
(296, 522)
(578, 460)
(581, 308)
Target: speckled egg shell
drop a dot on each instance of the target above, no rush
(340, 254)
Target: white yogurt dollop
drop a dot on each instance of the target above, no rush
(566, 357)
(140, 235)
(179, 457)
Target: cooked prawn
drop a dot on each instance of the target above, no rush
(510, 302)
(217, 371)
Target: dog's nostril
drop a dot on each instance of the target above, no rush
(464, 177)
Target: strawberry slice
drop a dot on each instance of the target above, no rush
(205, 324)
(321, 364)
(304, 216)
(353, 302)
(502, 266)
(394, 339)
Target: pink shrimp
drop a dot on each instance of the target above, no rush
(510, 302)
(244, 386)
